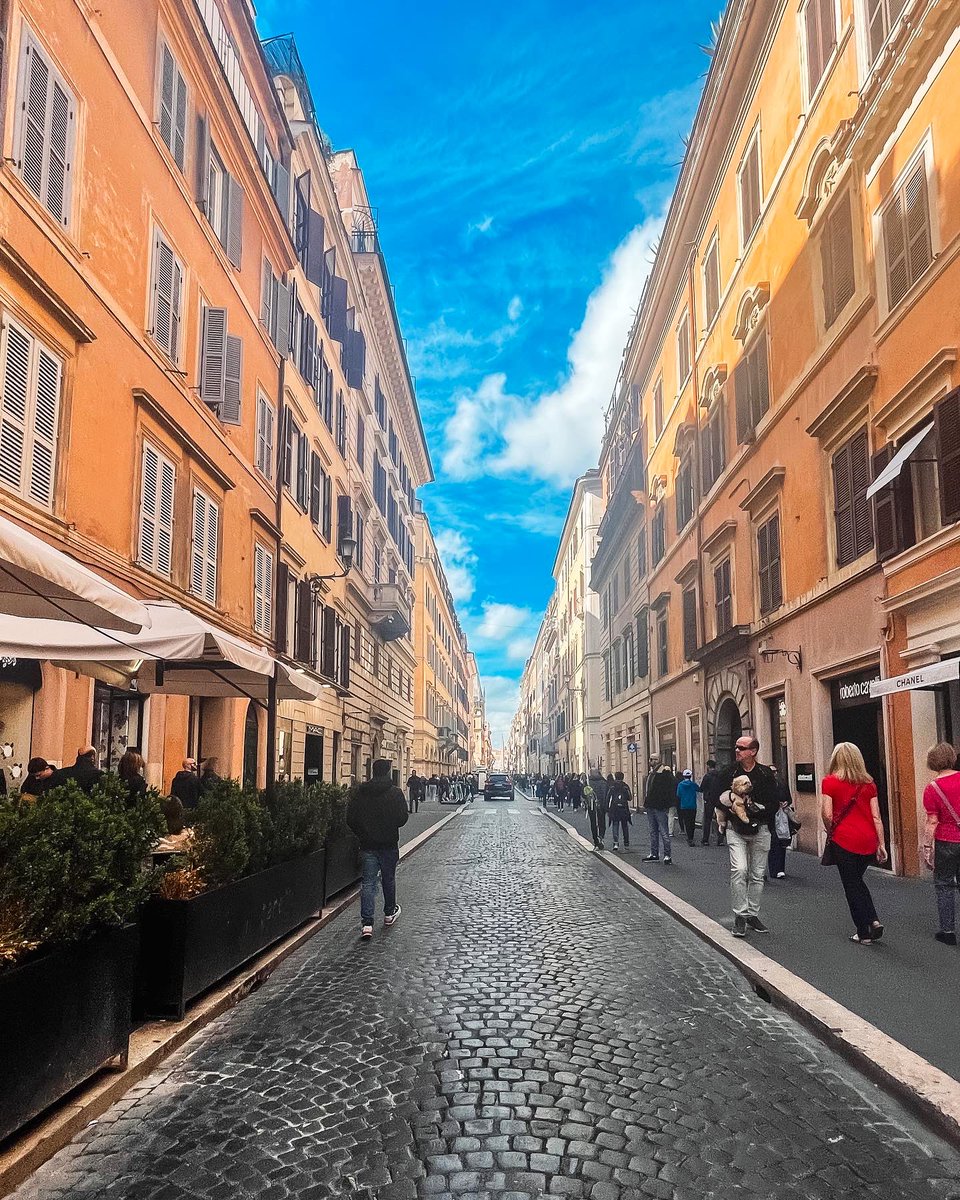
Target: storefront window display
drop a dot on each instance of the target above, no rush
(117, 723)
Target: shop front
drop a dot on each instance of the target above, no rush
(857, 717)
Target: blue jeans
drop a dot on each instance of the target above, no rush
(659, 822)
(382, 864)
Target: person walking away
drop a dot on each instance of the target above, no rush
(376, 812)
(687, 790)
(710, 789)
(661, 797)
(36, 780)
(620, 819)
(780, 840)
(209, 776)
(185, 787)
(85, 773)
(433, 787)
(941, 836)
(413, 792)
(851, 816)
(591, 803)
(748, 841)
(559, 791)
(130, 770)
(574, 792)
(602, 791)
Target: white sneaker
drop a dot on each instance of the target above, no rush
(616, 846)
(366, 933)
(393, 918)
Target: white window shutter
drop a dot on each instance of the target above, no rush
(34, 105)
(282, 317)
(267, 287)
(13, 405)
(179, 146)
(168, 71)
(210, 553)
(147, 552)
(234, 240)
(213, 356)
(198, 546)
(62, 117)
(165, 517)
(45, 424)
(230, 408)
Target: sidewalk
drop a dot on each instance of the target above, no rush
(906, 985)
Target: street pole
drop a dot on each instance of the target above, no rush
(271, 763)
(636, 798)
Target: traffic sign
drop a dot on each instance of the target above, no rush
(632, 747)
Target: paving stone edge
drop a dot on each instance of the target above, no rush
(930, 1094)
(157, 1040)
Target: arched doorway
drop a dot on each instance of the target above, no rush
(729, 727)
(251, 746)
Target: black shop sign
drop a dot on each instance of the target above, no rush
(850, 691)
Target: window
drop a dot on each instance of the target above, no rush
(711, 281)
(617, 656)
(341, 425)
(166, 298)
(752, 388)
(380, 404)
(658, 534)
(361, 441)
(157, 483)
(768, 563)
(203, 551)
(689, 623)
(30, 384)
(713, 449)
(643, 645)
(262, 590)
(881, 17)
(172, 106)
(750, 188)
(275, 308)
(906, 233)
(722, 597)
(266, 423)
(685, 490)
(663, 660)
(819, 38)
(47, 113)
(658, 407)
(221, 366)
(224, 206)
(853, 520)
(641, 553)
(606, 676)
(837, 260)
(683, 351)
(358, 533)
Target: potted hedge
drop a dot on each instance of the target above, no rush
(72, 879)
(343, 849)
(253, 873)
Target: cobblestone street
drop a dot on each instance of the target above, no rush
(531, 1025)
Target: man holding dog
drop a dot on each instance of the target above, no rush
(748, 840)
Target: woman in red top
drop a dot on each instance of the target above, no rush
(941, 799)
(851, 816)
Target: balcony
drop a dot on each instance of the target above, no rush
(389, 611)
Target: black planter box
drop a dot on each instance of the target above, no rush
(66, 1013)
(343, 864)
(187, 945)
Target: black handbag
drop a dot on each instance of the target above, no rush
(828, 858)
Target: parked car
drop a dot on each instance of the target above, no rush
(499, 787)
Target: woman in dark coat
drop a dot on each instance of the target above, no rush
(130, 770)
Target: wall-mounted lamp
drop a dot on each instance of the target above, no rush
(768, 654)
(346, 551)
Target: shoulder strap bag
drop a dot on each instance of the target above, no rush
(829, 858)
(946, 803)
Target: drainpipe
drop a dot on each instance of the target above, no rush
(271, 756)
(698, 482)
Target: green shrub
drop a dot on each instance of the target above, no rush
(73, 863)
(227, 833)
(298, 817)
(337, 799)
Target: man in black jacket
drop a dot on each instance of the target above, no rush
(661, 797)
(85, 773)
(376, 812)
(185, 787)
(749, 842)
(711, 789)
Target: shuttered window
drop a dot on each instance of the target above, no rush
(722, 597)
(224, 207)
(820, 39)
(882, 16)
(947, 417)
(853, 519)
(752, 388)
(166, 308)
(663, 648)
(690, 623)
(713, 448)
(907, 242)
(750, 189)
(361, 441)
(837, 260)
(658, 534)
(31, 379)
(221, 366)
(658, 407)
(266, 424)
(303, 471)
(46, 137)
(341, 425)
(683, 350)
(711, 281)
(769, 565)
(204, 547)
(262, 590)
(641, 554)
(172, 105)
(157, 486)
(685, 491)
(643, 645)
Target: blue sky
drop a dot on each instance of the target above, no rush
(521, 156)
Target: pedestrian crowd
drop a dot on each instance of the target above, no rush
(440, 789)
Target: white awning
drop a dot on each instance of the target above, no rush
(39, 581)
(922, 677)
(895, 465)
(179, 654)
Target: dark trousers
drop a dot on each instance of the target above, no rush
(777, 857)
(852, 868)
(709, 808)
(618, 823)
(598, 825)
(946, 872)
(688, 822)
(382, 864)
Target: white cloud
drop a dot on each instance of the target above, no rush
(556, 436)
(532, 520)
(502, 696)
(482, 226)
(501, 622)
(518, 650)
(514, 309)
(459, 562)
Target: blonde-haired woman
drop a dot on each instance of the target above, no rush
(851, 815)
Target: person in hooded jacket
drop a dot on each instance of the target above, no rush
(376, 812)
(595, 799)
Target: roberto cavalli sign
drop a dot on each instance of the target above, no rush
(941, 672)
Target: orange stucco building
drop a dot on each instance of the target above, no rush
(799, 325)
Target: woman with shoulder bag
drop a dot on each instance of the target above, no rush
(941, 835)
(851, 815)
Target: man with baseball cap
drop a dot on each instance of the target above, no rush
(687, 790)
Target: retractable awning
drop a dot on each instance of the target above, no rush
(179, 654)
(40, 582)
(895, 465)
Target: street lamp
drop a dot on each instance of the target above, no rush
(346, 550)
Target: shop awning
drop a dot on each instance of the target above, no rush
(39, 581)
(179, 654)
(922, 677)
(895, 465)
